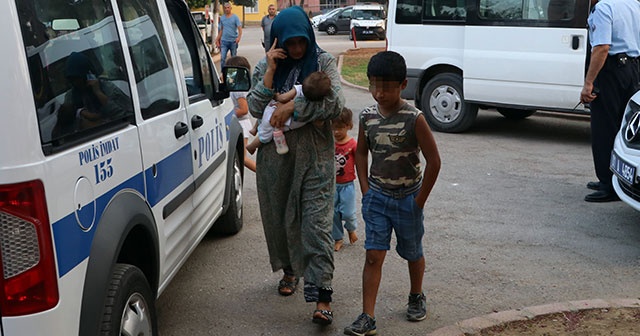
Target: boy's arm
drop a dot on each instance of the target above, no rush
(362, 161)
(430, 152)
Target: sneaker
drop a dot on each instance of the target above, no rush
(417, 310)
(363, 325)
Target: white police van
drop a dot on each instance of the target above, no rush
(118, 153)
(368, 20)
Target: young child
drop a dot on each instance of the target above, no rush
(314, 88)
(394, 192)
(241, 109)
(344, 201)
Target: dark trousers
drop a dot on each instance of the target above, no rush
(617, 83)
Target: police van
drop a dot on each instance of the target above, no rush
(516, 56)
(367, 20)
(118, 153)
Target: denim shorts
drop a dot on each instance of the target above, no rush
(383, 214)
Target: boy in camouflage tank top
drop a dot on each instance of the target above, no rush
(394, 188)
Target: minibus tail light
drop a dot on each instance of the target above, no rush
(29, 281)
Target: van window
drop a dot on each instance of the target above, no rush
(76, 67)
(154, 73)
(193, 55)
(527, 9)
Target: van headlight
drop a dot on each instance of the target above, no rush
(380, 24)
(356, 24)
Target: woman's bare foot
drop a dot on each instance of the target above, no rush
(353, 237)
(338, 245)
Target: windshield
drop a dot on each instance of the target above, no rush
(367, 14)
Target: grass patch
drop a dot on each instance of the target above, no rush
(354, 65)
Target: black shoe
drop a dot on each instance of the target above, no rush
(602, 196)
(594, 185)
(363, 325)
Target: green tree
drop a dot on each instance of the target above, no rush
(197, 3)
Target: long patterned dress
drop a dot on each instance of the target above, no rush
(296, 190)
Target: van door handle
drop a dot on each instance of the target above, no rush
(196, 121)
(180, 129)
(575, 42)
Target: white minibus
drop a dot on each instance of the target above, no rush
(518, 56)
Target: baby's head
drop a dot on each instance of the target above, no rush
(316, 86)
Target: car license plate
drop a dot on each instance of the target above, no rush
(367, 32)
(622, 169)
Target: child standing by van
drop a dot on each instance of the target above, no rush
(394, 191)
(344, 201)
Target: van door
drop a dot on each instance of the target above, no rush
(526, 52)
(163, 128)
(206, 120)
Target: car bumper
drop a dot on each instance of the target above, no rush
(364, 32)
(628, 192)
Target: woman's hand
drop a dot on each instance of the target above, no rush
(274, 54)
(282, 112)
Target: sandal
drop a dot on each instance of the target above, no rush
(325, 317)
(286, 288)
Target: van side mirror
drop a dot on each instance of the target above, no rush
(236, 78)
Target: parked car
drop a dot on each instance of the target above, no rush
(339, 21)
(315, 21)
(201, 21)
(625, 157)
(368, 21)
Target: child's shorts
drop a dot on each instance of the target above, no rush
(383, 213)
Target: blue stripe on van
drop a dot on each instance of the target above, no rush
(73, 245)
(171, 172)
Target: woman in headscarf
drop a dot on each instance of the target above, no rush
(295, 190)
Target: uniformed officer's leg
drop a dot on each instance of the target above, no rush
(604, 127)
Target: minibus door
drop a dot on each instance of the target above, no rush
(526, 55)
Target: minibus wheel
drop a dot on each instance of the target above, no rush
(443, 104)
(130, 305)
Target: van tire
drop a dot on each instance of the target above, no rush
(443, 104)
(129, 298)
(231, 222)
(515, 114)
(331, 29)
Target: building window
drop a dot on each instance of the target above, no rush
(254, 9)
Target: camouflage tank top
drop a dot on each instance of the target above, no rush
(393, 145)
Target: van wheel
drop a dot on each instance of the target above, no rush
(231, 222)
(443, 104)
(332, 30)
(515, 114)
(130, 306)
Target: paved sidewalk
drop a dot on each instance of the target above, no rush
(475, 325)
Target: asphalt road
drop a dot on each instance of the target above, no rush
(506, 227)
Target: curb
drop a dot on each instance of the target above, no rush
(343, 81)
(474, 326)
